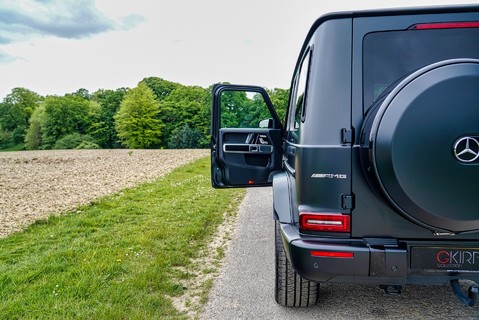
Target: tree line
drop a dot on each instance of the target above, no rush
(155, 114)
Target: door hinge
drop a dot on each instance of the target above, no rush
(347, 201)
(347, 136)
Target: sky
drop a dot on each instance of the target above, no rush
(55, 47)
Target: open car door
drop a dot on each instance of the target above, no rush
(246, 137)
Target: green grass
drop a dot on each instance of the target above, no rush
(122, 257)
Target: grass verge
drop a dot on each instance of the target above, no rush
(122, 257)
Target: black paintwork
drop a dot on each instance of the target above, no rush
(369, 160)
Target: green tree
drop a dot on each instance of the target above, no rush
(242, 109)
(104, 130)
(137, 120)
(235, 110)
(230, 100)
(82, 93)
(33, 137)
(256, 110)
(279, 98)
(15, 112)
(74, 141)
(160, 87)
(186, 105)
(185, 138)
(65, 115)
(5, 139)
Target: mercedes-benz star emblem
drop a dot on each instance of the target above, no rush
(466, 149)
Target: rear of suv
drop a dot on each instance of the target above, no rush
(375, 170)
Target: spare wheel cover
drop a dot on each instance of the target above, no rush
(414, 136)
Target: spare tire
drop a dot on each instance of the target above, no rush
(422, 142)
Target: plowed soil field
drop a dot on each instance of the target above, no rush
(36, 184)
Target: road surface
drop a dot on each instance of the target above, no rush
(245, 288)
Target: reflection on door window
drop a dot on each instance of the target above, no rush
(243, 109)
(299, 107)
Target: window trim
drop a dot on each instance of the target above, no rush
(294, 93)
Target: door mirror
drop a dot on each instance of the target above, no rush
(267, 123)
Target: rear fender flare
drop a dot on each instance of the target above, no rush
(282, 207)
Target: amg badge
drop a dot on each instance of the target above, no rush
(328, 176)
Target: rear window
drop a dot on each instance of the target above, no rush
(389, 56)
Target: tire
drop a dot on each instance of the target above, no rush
(291, 290)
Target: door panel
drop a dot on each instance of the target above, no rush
(242, 153)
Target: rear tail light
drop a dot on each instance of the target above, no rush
(326, 222)
(446, 25)
(332, 254)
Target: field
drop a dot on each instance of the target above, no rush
(35, 184)
(147, 252)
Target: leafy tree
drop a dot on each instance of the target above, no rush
(74, 140)
(82, 93)
(256, 111)
(88, 145)
(137, 120)
(157, 113)
(5, 138)
(280, 98)
(185, 138)
(233, 104)
(240, 109)
(66, 115)
(184, 106)
(205, 115)
(33, 137)
(104, 130)
(15, 112)
(160, 87)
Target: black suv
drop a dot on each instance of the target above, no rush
(375, 170)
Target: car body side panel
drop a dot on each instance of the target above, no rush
(322, 160)
(328, 105)
(323, 178)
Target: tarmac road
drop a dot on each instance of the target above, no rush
(245, 288)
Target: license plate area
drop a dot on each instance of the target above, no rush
(445, 259)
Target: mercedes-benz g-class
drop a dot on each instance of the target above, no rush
(375, 170)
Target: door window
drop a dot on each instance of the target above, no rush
(243, 109)
(298, 101)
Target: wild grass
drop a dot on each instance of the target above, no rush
(122, 257)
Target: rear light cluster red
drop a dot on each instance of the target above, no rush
(332, 254)
(446, 25)
(326, 222)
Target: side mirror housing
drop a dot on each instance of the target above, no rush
(266, 123)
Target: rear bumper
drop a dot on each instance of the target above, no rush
(354, 261)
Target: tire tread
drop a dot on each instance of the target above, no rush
(291, 290)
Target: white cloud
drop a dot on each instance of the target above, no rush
(65, 19)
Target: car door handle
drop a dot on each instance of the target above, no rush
(247, 148)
